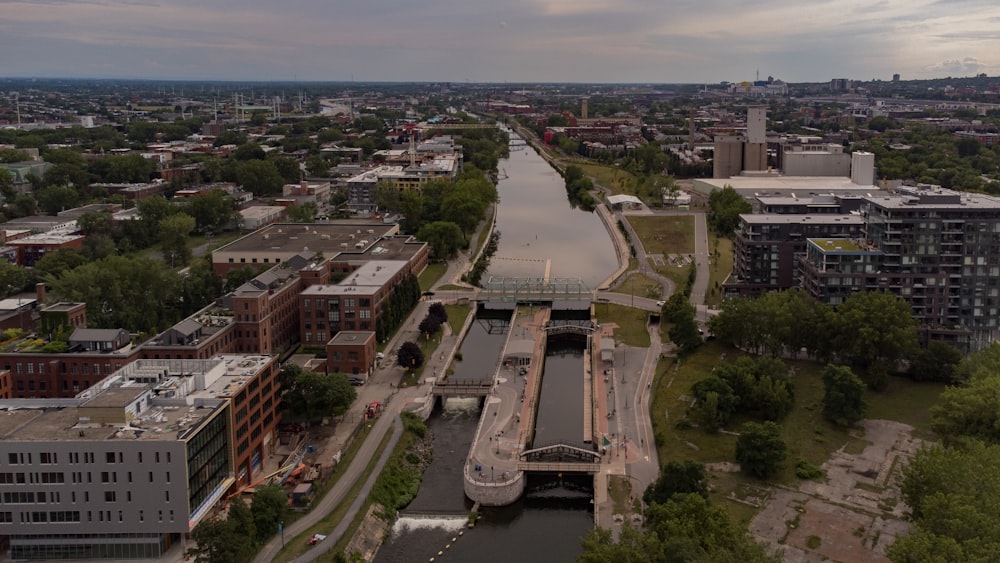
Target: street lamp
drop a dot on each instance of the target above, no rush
(281, 530)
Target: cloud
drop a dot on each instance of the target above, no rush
(956, 67)
(514, 40)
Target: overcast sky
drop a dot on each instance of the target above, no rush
(500, 40)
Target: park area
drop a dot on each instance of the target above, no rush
(851, 510)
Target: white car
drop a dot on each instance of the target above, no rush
(660, 303)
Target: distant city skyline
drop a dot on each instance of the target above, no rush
(624, 41)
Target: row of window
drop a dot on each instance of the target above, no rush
(41, 517)
(59, 516)
(7, 478)
(51, 458)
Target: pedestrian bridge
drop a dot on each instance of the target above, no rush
(559, 458)
(560, 454)
(585, 328)
(528, 290)
(462, 388)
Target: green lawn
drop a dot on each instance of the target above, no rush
(721, 265)
(679, 275)
(631, 323)
(665, 234)
(615, 179)
(640, 286)
(431, 274)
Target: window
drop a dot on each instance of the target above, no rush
(109, 457)
(109, 496)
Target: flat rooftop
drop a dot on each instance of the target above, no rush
(177, 402)
(328, 238)
(805, 219)
(373, 275)
(801, 186)
(351, 337)
(836, 245)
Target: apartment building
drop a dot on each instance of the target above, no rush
(936, 248)
(767, 248)
(126, 468)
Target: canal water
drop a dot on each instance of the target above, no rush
(537, 225)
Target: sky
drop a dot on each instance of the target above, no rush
(597, 41)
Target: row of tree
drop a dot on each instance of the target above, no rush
(953, 488)
(872, 331)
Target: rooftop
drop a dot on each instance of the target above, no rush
(795, 218)
(836, 245)
(802, 186)
(327, 238)
(368, 278)
(166, 397)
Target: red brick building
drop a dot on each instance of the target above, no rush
(352, 353)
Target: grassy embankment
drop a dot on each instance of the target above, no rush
(456, 318)
(666, 235)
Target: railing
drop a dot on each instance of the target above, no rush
(541, 466)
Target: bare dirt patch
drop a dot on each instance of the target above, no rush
(854, 514)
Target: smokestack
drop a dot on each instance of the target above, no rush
(40, 293)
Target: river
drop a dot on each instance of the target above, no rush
(537, 225)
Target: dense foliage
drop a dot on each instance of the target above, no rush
(871, 331)
(760, 387)
(684, 528)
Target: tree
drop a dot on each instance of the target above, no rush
(174, 231)
(429, 326)
(953, 494)
(117, 292)
(937, 362)
(444, 238)
(6, 184)
(726, 206)
(715, 402)
(317, 166)
(844, 397)
(239, 276)
(259, 177)
(760, 449)
(438, 311)
(55, 263)
(305, 213)
(875, 329)
(685, 333)
(972, 410)
(315, 395)
(288, 169)
(249, 151)
(53, 199)
(218, 541)
(269, 505)
(684, 528)
(12, 278)
(242, 519)
(410, 355)
(212, 211)
(677, 477)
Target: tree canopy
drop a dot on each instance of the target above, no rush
(760, 449)
(844, 396)
(314, 395)
(726, 205)
(683, 528)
